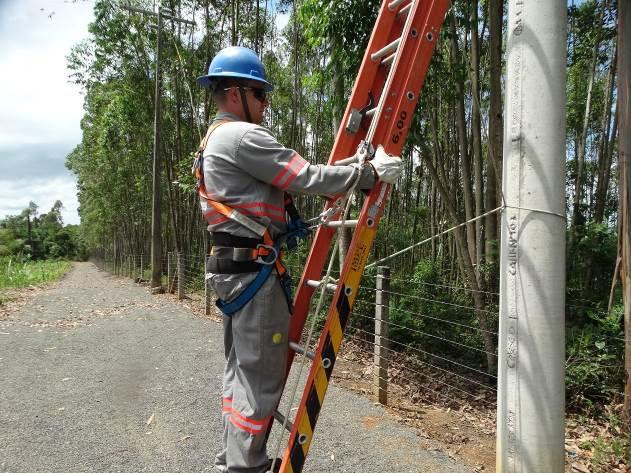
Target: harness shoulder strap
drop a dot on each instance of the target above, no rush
(198, 162)
(211, 129)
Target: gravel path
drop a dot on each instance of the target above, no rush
(97, 375)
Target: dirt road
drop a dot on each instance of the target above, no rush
(99, 376)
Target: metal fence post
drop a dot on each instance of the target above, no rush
(180, 277)
(382, 303)
(172, 274)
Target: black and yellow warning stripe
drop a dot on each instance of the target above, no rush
(325, 358)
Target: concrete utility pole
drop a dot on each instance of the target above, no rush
(624, 167)
(156, 203)
(531, 410)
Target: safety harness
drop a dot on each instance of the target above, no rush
(247, 254)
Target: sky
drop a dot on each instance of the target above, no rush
(40, 110)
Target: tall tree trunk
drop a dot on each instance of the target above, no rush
(604, 150)
(467, 189)
(581, 149)
(258, 29)
(235, 22)
(624, 147)
(476, 134)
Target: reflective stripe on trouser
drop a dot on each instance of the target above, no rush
(255, 343)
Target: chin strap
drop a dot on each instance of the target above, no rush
(244, 101)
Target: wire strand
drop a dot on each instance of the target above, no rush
(438, 319)
(437, 380)
(455, 288)
(419, 350)
(411, 247)
(442, 339)
(464, 378)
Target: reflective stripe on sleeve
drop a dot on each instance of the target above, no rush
(289, 172)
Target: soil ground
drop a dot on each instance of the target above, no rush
(98, 375)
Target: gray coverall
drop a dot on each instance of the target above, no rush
(247, 169)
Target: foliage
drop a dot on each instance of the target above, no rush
(426, 314)
(18, 272)
(594, 368)
(589, 269)
(599, 443)
(32, 236)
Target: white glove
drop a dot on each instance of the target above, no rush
(388, 168)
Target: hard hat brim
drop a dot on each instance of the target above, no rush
(206, 80)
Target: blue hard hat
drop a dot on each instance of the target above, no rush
(235, 62)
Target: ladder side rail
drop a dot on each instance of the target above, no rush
(430, 18)
(411, 73)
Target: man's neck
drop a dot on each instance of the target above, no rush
(234, 113)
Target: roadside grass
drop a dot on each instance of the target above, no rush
(15, 273)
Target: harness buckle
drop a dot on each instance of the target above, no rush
(263, 258)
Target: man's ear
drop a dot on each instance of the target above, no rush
(234, 96)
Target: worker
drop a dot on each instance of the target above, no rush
(243, 175)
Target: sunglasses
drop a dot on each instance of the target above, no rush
(260, 94)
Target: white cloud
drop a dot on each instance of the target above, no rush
(38, 105)
(38, 102)
(16, 195)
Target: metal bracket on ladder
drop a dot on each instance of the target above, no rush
(394, 68)
(356, 116)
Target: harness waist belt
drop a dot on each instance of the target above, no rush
(235, 254)
(228, 266)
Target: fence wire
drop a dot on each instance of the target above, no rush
(417, 356)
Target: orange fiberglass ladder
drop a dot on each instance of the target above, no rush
(393, 69)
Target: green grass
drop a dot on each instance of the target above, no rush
(15, 273)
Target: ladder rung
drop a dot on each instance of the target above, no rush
(386, 50)
(387, 61)
(340, 223)
(371, 112)
(316, 284)
(281, 419)
(405, 11)
(345, 161)
(394, 3)
(301, 350)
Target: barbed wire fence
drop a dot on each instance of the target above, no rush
(404, 334)
(405, 339)
(410, 343)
